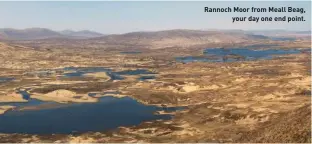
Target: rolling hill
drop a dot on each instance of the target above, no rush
(179, 37)
(82, 34)
(43, 33)
(147, 39)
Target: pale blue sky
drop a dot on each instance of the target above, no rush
(121, 17)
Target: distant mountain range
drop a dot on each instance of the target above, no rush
(43, 33)
(176, 38)
(83, 33)
(280, 32)
(146, 39)
(180, 34)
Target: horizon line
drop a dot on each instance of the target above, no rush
(202, 29)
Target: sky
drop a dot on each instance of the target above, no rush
(110, 17)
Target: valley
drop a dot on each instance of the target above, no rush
(164, 86)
